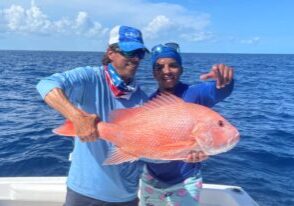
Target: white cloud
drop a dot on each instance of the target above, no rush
(158, 21)
(2, 22)
(157, 25)
(14, 17)
(21, 20)
(198, 36)
(82, 21)
(253, 40)
(33, 21)
(84, 24)
(173, 27)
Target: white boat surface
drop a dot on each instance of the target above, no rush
(50, 191)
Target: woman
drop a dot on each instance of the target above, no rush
(179, 182)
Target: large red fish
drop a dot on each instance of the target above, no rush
(165, 128)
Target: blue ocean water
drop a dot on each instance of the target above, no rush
(261, 106)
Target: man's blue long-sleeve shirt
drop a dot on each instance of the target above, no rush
(87, 88)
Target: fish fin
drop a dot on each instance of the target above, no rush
(162, 99)
(117, 156)
(66, 129)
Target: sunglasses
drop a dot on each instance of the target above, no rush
(160, 47)
(138, 53)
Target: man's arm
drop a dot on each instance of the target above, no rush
(85, 124)
(60, 89)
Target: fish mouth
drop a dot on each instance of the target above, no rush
(209, 150)
(230, 144)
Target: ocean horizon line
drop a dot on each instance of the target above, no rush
(80, 51)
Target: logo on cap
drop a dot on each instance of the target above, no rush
(132, 34)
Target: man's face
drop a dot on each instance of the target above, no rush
(167, 72)
(125, 67)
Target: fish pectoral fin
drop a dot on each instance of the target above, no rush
(117, 156)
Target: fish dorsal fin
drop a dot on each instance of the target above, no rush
(117, 156)
(162, 99)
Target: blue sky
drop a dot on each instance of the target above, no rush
(213, 26)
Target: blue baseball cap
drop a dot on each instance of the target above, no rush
(127, 38)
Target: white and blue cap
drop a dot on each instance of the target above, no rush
(127, 38)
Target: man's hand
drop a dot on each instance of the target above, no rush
(196, 157)
(86, 126)
(221, 73)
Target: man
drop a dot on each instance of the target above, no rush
(179, 182)
(85, 96)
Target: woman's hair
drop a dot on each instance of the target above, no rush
(105, 59)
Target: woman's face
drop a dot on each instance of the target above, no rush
(167, 72)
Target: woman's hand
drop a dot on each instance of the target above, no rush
(194, 156)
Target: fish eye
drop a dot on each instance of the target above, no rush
(221, 123)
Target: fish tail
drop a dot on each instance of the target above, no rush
(66, 129)
(107, 131)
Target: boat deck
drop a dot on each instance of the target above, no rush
(50, 191)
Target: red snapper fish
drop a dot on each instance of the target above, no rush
(165, 128)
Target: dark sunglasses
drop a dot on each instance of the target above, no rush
(160, 47)
(139, 53)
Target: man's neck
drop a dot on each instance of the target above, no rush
(125, 79)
